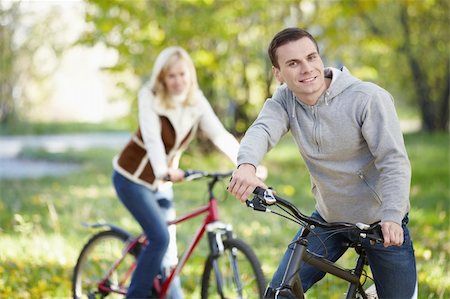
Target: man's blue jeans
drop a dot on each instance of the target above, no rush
(393, 268)
(150, 209)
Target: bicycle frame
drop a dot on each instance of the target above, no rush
(291, 282)
(211, 223)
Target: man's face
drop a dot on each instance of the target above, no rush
(301, 68)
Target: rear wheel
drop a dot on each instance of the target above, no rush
(96, 259)
(236, 273)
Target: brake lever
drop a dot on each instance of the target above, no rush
(376, 235)
(255, 204)
(373, 234)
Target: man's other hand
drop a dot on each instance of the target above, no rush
(392, 233)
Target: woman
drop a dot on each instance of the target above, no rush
(171, 110)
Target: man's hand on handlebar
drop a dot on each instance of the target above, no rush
(244, 181)
(392, 233)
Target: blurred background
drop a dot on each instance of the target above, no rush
(69, 75)
(84, 60)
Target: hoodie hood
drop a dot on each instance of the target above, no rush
(341, 79)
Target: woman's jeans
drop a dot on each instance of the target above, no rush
(152, 210)
(393, 268)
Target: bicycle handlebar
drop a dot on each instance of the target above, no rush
(190, 175)
(265, 197)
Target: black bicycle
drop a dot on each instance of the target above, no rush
(291, 286)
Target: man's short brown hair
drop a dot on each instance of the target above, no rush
(285, 36)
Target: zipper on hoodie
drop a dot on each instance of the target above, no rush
(316, 127)
(327, 95)
(361, 175)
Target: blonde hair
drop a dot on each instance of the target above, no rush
(165, 60)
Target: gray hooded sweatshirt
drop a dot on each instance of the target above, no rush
(351, 143)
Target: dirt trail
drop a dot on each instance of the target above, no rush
(13, 167)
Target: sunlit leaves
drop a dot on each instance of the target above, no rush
(25, 258)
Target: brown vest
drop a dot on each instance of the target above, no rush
(132, 156)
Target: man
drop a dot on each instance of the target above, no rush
(349, 136)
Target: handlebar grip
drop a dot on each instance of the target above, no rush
(188, 173)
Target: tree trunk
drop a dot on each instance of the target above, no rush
(420, 85)
(434, 113)
(443, 123)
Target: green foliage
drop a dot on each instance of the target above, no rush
(403, 46)
(231, 60)
(41, 232)
(29, 44)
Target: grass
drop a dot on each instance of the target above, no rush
(41, 232)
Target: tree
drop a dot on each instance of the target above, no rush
(29, 52)
(227, 40)
(426, 47)
(8, 16)
(402, 45)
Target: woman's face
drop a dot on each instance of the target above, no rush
(177, 78)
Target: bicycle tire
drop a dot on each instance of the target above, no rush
(95, 259)
(250, 273)
(370, 292)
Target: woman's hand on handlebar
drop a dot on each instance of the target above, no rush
(244, 181)
(175, 175)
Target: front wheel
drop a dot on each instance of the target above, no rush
(96, 260)
(235, 273)
(369, 293)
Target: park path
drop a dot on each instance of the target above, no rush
(13, 166)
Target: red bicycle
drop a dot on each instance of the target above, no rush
(231, 270)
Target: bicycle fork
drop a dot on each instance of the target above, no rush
(356, 289)
(217, 232)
